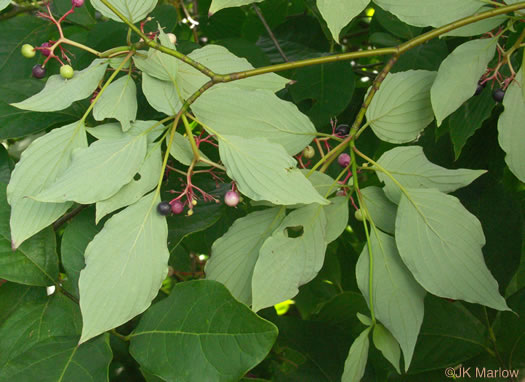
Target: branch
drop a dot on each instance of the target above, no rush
(270, 33)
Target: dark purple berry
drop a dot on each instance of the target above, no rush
(479, 89)
(77, 3)
(231, 198)
(498, 95)
(177, 207)
(39, 71)
(343, 160)
(342, 130)
(46, 51)
(164, 208)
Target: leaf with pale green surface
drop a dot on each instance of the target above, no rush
(355, 363)
(511, 134)
(410, 167)
(254, 113)
(336, 217)
(234, 255)
(133, 10)
(387, 344)
(401, 108)
(181, 150)
(4, 4)
(12, 296)
(220, 60)
(285, 263)
(217, 5)
(114, 130)
(222, 339)
(118, 101)
(98, 172)
(59, 93)
(338, 13)
(61, 359)
(425, 13)
(479, 27)
(161, 95)
(264, 171)
(126, 263)
(149, 174)
(440, 243)
(458, 76)
(41, 163)
(158, 64)
(380, 210)
(398, 299)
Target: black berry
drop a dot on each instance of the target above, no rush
(479, 89)
(164, 208)
(342, 130)
(498, 95)
(39, 71)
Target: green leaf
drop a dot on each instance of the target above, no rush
(16, 123)
(398, 299)
(133, 10)
(98, 172)
(401, 108)
(217, 5)
(41, 163)
(149, 174)
(380, 210)
(4, 4)
(365, 320)
(182, 152)
(12, 296)
(59, 93)
(37, 321)
(157, 64)
(222, 339)
(118, 101)
(61, 359)
(33, 263)
(161, 95)
(5, 165)
(387, 344)
(75, 240)
(285, 262)
(425, 13)
(355, 363)
(114, 130)
(466, 120)
(511, 135)
(234, 255)
(338, 13)
(427, 56)
(458, 76)
(254, 113)
(410, 167)
(329, 87)
(336, 217)
(129, 254)
(220, 60)
(479, 27)
(264, 171)
(440, 242)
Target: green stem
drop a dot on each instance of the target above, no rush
(80, 46)
(191, 138)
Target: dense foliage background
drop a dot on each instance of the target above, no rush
(39, 331)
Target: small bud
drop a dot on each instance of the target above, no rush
(172, 37)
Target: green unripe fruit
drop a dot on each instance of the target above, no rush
(308, 152)
(66, 71)
(359, 215)
(28, 51)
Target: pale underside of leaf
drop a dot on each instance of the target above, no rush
(133, 10)
(338, 13)
(355, 363)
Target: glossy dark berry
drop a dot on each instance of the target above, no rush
(39, 71)
(479, 89)
(342, 130)
(77, 3)
(498, 95)
(177, 207)
(231, 198)
(343, 160)
(164, 208)
(46, 51)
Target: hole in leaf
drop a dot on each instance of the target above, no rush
(137, 176)
(294, 232)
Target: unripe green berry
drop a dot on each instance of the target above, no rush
(28, 51)
(359, 215)
(66, 71)
(308, 152)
